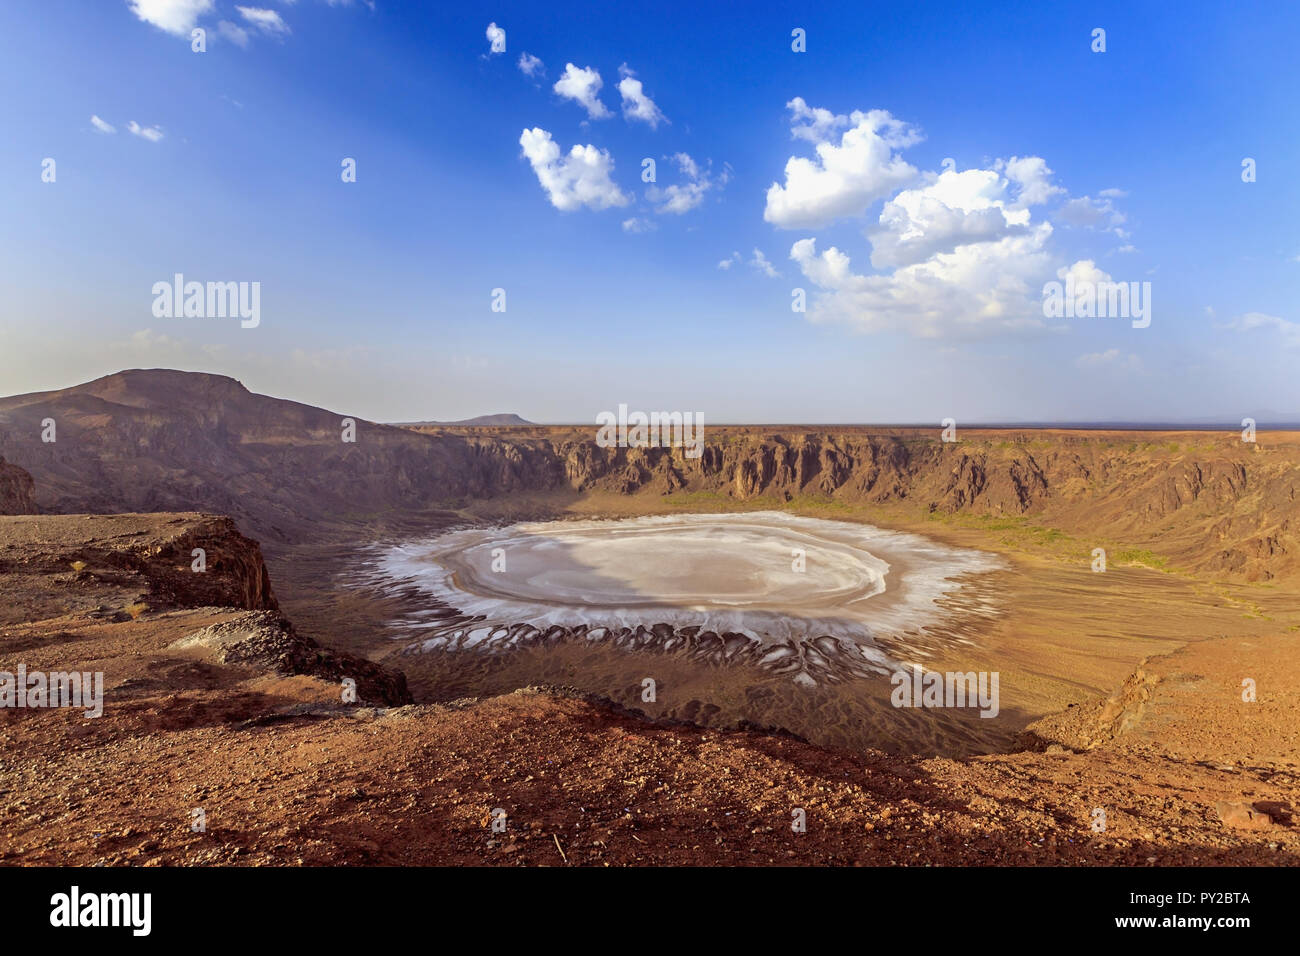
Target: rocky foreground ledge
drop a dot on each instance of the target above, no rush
(215, 708)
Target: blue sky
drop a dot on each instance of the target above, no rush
(376, 295)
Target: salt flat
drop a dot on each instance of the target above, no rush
(777, 579)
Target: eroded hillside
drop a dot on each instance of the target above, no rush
(161, 440)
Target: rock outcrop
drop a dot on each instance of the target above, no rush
(267, 639)
(16, 495)
(152, 574)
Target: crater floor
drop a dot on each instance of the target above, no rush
(779, 580)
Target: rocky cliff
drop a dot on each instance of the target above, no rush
(138, 576)
(148, 562)
(161, 440)
(1207, 500)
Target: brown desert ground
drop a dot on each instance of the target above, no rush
(1121, 692)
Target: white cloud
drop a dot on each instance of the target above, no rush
(234, 33)
(966, 256)
(681, 198)
(1081, 273)
(730, 261)
(955, 253)
(1113, 193)
(843, 180)
(583, 86)
(496, 38)
(102, 126)
(952, 209)
(759, 262)
(268, 21)
(1111, 358)
(177, 17)
(638, 225)
(1032, 178)
(152, 133)
(814, 125)
(636, 105)
(530, 65)
(582, 178)
(972, 290)
(1250, 321)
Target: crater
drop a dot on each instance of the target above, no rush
(820, 600)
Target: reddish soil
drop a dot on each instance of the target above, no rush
(1185, 771)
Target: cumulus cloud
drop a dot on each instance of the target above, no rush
(958, 252)
(496, 38)
(1032, 178)
(267, 21)
(102, 126)
(682, 197)
(152, 133)
(177, 17)
(638, 225)
(1081, 273)
(1251, 321)
(967, 256)
(971, 290)
(636, 105)
(845, 179)
(530, 65)
(583, 87)
(730, 261)
(952, 209)
(582, 178)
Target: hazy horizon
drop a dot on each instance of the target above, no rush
(1266, 419)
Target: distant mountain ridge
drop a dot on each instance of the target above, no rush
(502, 419)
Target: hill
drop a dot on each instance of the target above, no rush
(503, 420)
